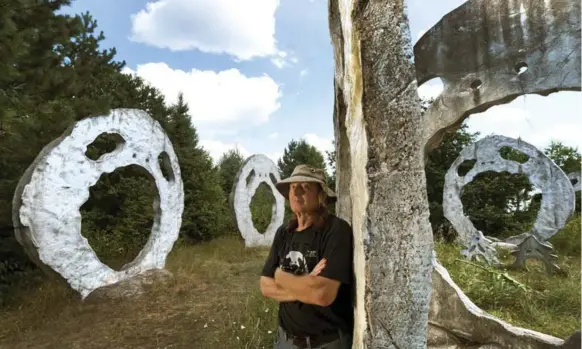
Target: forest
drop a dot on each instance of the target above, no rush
(54, 72)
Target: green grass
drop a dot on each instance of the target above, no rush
(548, 304)
(214, 302)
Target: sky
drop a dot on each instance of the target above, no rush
(258, 73)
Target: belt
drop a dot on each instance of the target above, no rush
(313, 341)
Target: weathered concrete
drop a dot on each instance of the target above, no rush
(558, 199)
(381, 181)
(49, 195)
(263, 170)
(532, 248)
(479, 49)
(455, 320)
(575, 178)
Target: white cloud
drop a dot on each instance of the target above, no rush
(215, 98)
(322, 144)
(244, 29)
(283, 59)
(273, 135)
(535, 119)
(431, 89)
(303, 73)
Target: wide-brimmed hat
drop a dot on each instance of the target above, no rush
(306, 173)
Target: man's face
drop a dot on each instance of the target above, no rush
(304, 197)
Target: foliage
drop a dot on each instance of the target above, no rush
(298, 153)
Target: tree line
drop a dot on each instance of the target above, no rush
(54, 72)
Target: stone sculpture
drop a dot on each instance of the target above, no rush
(49, 195)
(455, 321)
(261, 169)
(480, 51)
(558, 200)
(575, 178)
(489, 52)
(381, 183)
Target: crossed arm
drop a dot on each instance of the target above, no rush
(309, 289)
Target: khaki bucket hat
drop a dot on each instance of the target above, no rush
(306, 173)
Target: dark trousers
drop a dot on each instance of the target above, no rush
(282, 341)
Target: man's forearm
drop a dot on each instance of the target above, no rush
(304, 288)
(271, 290)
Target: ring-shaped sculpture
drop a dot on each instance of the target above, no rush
(48, 198)
(558, 199)
(262, 170)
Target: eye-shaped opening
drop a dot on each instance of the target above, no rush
(512, 154)
(465, 167)
(103, 144)
(166, 166)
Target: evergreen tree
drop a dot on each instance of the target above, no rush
(204, 200)
(297, 153)
(228, 166)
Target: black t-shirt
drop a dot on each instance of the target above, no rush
(298, 252)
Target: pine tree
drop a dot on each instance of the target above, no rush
(204, 201)
(297, 153)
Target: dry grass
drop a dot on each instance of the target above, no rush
(213, 301)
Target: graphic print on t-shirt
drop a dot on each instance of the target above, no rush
(295, 263)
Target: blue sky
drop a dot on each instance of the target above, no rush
(258, 73)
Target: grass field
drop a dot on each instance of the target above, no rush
(214, 302)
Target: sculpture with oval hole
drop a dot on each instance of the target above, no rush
(255, 170)
(47, 200)
(558, 199)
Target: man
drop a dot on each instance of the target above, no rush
(309, 268)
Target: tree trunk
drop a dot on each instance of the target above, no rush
(380, 171)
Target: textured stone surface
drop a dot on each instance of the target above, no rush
(558, 199)
(381, 180)
(48, 198)
(454, 319)
(490, 41)
(575, 178)
(262, 170)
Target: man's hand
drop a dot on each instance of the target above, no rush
(319, 267)
(310, 288)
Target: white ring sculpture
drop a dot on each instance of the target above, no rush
(52, 190)
(558, 199)
(265, 171)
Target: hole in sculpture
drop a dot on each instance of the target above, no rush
(105, 143)
(509, 153)
(574, 181)
(251, 176)
(429, 91)
(118, 217)
(262, 204)
(476, 84)
(465, 167)
(500, 204)
(273, 179)
(520, 68)
(166, 166)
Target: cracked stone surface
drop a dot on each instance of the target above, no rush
(454, 320)
(575, 178)
(480, 49)
(381, 183)
(49, 195)
(262, 170)
(558, 199)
